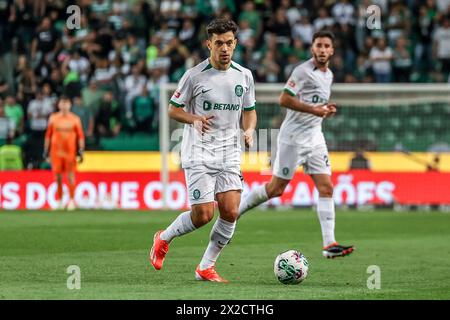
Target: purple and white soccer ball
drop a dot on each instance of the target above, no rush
(291, 267)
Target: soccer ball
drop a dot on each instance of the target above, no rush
(291, 267)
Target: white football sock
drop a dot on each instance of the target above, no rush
(221, 233)
(326, 214)
(254, 198)
(181, 225)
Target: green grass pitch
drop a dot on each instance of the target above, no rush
(412, 250)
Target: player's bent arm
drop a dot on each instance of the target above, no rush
(291, 102)
(178, 114)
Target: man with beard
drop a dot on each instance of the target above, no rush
(301, 141)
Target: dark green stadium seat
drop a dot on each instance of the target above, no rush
(131, 142)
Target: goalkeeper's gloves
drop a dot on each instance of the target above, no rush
(80, 155)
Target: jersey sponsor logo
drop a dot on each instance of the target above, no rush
(220, 106)
(238, 90)
(177, 94)
(196, 194)
(285, 171)
(226, 106)
(207, 105)
(291, 83)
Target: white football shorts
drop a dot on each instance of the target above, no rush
(289, 157)
(204, 182)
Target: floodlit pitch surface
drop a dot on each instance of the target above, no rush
(411, 249)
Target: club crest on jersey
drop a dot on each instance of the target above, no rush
(238, 90)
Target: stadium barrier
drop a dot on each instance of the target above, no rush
(36, 190)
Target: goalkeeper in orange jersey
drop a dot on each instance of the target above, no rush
(64, 145)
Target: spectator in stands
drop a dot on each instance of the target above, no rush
(292, 12)
(134, 83)
(402, 61)
(14, 111)
(362, 69)
(144, 112)
(158, 76)
(79, 64)
(245, 32)
(381, 56)
(360, 161)
(46, 41)
(178, 54)
(441, 42)
(253, 17)
(423, 49)
(7, 126)
(323, 21)
(303, 30)
(188, 34)
(108, 122)
(279, 25)
(343, 12)
(269, 70)
(39, 109)
(27, 85)
(86, 116)
(397, 22)
(10, 156)
(4, 89)
(92, 97)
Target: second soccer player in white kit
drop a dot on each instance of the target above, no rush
(301, 141)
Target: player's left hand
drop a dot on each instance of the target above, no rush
(80, 157)
(248, 138)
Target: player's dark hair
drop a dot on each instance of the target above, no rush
(220, 26)
(64, 97)
(324, 34)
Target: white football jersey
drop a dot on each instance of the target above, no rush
(223, 94)
(313, 86)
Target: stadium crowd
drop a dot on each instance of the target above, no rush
(113, 63)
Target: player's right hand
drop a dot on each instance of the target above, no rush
(202, 124)
(80, 157)
(324, 110)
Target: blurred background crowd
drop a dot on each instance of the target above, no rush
(113, 65)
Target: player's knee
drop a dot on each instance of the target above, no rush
(325, 190)
(202, 216)
(230, 214)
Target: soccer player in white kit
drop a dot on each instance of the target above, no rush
(210, 100)
(301, 141)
